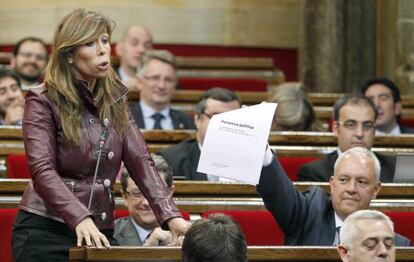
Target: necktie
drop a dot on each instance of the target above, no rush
(157, 117)
(337, 239)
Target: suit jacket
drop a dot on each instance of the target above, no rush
(183, 158)
(306, 218)
(406, 130)
(321, 170)
(180, 120)
(125, 232)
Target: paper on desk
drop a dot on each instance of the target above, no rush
(235, 143)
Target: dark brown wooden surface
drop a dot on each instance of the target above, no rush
(254, 253)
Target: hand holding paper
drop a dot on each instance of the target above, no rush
(235, 143)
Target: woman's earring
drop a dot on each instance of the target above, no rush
(70, 60)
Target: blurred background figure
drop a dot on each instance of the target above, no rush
(29, 60)
(294, 111)
(215, 239)
(135, 41)
(11, 98)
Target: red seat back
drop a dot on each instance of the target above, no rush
(407, 122)
(7, 217)
(17, 166)
(403, 223)
(291, 164)
(236, 84)
(124, 212)
(259, 227)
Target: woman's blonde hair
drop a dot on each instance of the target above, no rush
(294, 112)
(76, 29)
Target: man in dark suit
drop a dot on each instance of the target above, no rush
(386, 97)
(354, 125)
(157, 79)
(315, 216)
(184, 157)
(141, 227)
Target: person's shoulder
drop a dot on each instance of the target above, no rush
(121, 222)
(37, 90)
(385, 158)
(406, 130)
(180, 152)
(402, 241)
(184, 120)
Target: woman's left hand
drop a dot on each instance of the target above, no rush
(178, 227)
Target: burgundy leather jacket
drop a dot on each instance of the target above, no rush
(62, 175)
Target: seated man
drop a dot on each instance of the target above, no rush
(135, 41)
(141, 227)
(215, 239)
(367, 235)
(29, 61)
(311, 218)
(157, 78)
(11, 98)
(386, 97)
(184, 157)
(354, 125)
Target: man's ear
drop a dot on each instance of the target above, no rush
(331, 181)
(343, 253)
(197, 120)
(13, 62)
(398, 108)
(124, 196)
(118, 49)
(376, 190)
(335, 126)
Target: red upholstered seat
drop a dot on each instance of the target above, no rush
(259, 227)
(124, 212)
(17, 166)
(403, 223)
(407, 122)
(291, 164)
(7, 217)
(236, 84)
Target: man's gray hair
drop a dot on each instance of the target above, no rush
(360, 152)
(349, 229)
(161, 55)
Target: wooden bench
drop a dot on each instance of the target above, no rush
(254, 253)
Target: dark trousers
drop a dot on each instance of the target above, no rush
(36, 238)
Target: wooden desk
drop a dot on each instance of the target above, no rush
(254, 253)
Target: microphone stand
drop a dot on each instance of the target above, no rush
(104, 136)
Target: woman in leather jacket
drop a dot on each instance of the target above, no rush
(77, 129)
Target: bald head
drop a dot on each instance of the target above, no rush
(134, 42)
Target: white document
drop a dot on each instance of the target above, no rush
(235, 143)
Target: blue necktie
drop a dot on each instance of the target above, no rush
(157, 117)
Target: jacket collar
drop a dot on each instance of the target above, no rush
(83, 87)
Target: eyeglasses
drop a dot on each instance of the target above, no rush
(209, 115)
(353, 125)
(135, 193)
(157, 78)
(39, 57)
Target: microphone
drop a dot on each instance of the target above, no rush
(102, 140)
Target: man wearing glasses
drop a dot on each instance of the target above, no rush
(29, 61)
(354, 126)
(158, 78)
(140, 228)
(184, 157)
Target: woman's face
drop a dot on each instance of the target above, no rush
(92, 60)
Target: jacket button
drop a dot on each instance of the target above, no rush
(107, 183)
(110, 155)
(103, 216)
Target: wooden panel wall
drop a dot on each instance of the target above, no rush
(258, 23)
